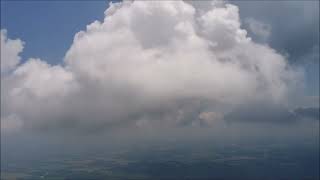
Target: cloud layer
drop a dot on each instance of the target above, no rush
(149, 63)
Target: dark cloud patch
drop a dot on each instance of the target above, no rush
(266, 113)
(311, 113)
(294, 24)
(294, 31)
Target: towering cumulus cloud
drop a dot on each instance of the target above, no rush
(149, 63)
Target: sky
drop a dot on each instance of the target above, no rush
(40, 22)
(93, 66)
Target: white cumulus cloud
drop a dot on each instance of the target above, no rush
(10, 50)
(148, 62)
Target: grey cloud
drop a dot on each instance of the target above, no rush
(259, 30)
(270, 113)
(311, 112)
(265, 113)
(295, 24)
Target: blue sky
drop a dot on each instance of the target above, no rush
(48, 28)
